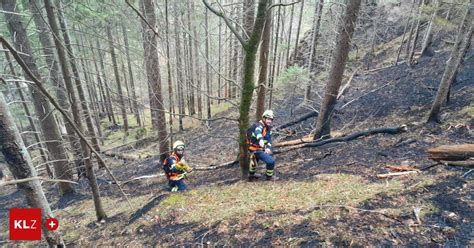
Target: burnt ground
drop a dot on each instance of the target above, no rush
(393, 96)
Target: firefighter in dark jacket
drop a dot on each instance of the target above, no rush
(175, 168)
(259, 142)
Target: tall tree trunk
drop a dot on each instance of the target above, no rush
(117, 79)
(86, 153)
(208, 76)
(19, 163)
(192, 74)
(412, 28)
(300, 18)
(132, 80)
(150, 45)
(274, 63)
(404, 32)
(82, 97)
(92, 91)
(106, 85)
(103, 102)
(427, 49)
(48, 124)
(290, 28)
(415, 35)
(263, 74)
(125, 82)
(338, 64)
(170, 83)
(318, 11)
(250, 47)
(462, 42)
(34, 129)
(197, 67)
(219, 64)
(179, 73)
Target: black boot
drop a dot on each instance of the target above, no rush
(254, 177)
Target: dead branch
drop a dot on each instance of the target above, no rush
(401, 168)
(306, 139)
(344, 88)
(298, 120)
(9, 182)
(388, 130)
(213, 167)
(467, 163)
(125, 156)
(388, 175)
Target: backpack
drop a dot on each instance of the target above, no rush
(250, 130)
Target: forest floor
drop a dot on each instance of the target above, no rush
(329, 195)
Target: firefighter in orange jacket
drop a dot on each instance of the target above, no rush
(175, 168)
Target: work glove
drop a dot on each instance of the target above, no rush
(268, 151)
(261, 143)
(183, 166)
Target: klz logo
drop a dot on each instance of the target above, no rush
(25, 224)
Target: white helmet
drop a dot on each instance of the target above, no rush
(178, 144)
(268, 114)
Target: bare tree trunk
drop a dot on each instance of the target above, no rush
(107, 88)
(412, 28)
(170, 83)
(263, 74)
(318, 11)
(404, 32)
(197, 67)
(117, 79)
(19, 163)
(426, 49)
(275, 55)
(338, 64)
(34, 129)
(103, 102)
(208, 76)
(298, 30)
(92, 92)
(219, 65)
(77, 81)
(86, 153)
(48, 124)
(417, 31)
(130, 74)
(150, 45)
(125, 82)
(179, 73)
(192, 70)
(462, 41)
(250, 47)
(48, 51)
(290, 28)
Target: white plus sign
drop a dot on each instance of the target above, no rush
(51, 224)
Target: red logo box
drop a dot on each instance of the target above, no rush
(25, 224)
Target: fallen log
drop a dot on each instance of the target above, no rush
(401, 168)
(306, 139)
(213, 167)
(388, 130)
(466, 163)
(298, 120)
(451, 152)
(125, 156)
(388, 175)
